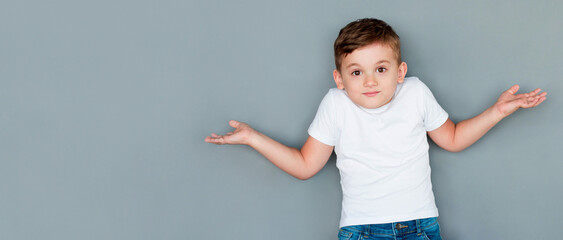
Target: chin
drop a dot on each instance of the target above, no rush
(371, 106)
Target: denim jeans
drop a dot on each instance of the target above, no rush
(420, 229)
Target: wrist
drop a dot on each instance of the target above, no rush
(496, 113)
(253, 138)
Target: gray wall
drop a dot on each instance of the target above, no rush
(104, 106)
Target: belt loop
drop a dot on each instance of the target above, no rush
(418, 227)
(394, 228)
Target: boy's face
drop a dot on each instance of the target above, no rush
(370, 74)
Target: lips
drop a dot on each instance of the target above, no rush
(371, 94)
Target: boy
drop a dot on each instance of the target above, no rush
(377, 121)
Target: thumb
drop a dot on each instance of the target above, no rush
(234, 123)
(512, 90)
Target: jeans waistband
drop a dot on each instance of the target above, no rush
(395, 229)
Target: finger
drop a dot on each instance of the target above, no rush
(220, 141)
(214, 140)
(512, 90)
(234, 123)
(531, 102)
(528, 95)
(532, 93)
(540, 101)
(215, 135)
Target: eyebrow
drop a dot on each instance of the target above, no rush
(377, 63)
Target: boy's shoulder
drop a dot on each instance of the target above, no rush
(411, 85)
(336, 93)
(412, 81)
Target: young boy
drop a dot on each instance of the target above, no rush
(377, 121)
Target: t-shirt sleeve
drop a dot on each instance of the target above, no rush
(433, 114)
(323, 128)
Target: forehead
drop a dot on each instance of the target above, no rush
(370, 54)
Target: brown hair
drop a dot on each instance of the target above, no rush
(364, 32)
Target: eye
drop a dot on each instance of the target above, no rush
(357, 73)
(381, 69)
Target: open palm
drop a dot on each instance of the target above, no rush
(240, 135)
(509, 101)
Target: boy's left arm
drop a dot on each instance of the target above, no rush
(456, 137)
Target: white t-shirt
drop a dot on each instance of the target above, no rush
(382, 154)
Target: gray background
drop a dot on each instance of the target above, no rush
(104, 106)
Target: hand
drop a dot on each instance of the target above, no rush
(241, 135)
(509, 101)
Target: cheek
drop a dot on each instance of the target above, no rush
(348, 84)
(391, 87)
(357, 87)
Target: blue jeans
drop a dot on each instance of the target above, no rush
(420, 229)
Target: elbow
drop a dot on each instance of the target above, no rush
(454, 148)
(303, 177)
(304, 171)
(304, 174)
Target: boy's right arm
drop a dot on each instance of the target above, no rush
(301, 164)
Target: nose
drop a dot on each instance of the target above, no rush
(370, 81)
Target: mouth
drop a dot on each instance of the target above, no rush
(371, 94)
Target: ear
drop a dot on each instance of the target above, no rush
(402, 72)
(338, 79)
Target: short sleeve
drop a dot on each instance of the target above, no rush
(432, 113)
(323, 128)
